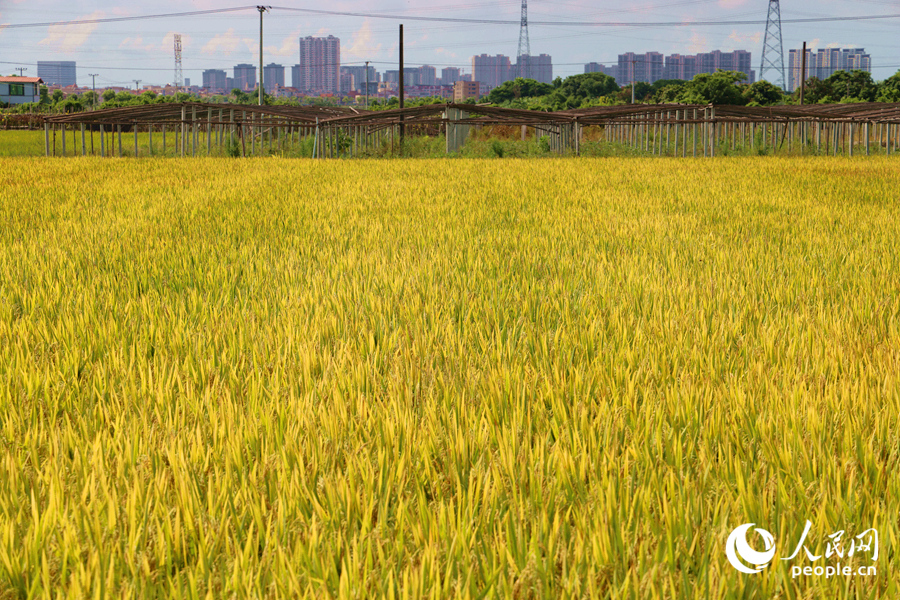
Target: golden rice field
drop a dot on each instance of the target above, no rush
(445, 379)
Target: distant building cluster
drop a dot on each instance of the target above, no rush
(319, 72)
(492, 71)
(651, 67)
(825, 62)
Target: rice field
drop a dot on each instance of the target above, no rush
(457, 378)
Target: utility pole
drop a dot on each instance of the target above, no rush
(402, 127)
(632, 79)
(367, 85)
(803, 74)
(21, 71)
(93, 77)
(261, 9)
(137, 82)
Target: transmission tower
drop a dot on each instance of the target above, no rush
(524, 44)
(773, 49)
(179, 76)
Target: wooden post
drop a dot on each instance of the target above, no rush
(102, 141)
(63, 136)
(867, 138)
(135, 140)
(46, 138)
(183, 129)
(695, 133)
(852, 137)
(164, 139)
(150, 140)
(208, 131)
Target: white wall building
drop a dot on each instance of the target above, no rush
(19, 90)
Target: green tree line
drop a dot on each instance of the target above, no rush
(576, 91)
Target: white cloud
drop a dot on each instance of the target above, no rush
(223, 43)
(290, 45)
(361, 45)
(67, 38)
(135, 43)
(742, 40)
(697, 43)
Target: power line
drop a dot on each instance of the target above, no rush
(582, 23)
(193, 13)
(456, 19)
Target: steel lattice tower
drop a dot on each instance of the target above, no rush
(773, 49)
(179, 76)
(524, 44)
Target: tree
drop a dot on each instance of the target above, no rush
(817, 92)
(660, 84)
(57, 96)
(889, 89)
(587, 85)
(239, 96)
(762, 93)
(518, 88)
(45, 95)
(852, 85)
(108, 95)
(642, 90)
(669, 93)
(714, 88)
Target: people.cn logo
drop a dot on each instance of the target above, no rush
(737, 549)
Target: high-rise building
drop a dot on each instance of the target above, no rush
(273, 75)
(320, 65)
(612, 70)
(245, 77)
(680, 66)
(490, 71)
(449, 75)
(647, 67)
(229, 84)
(410, 76)
(57, 72)
(825, 62)
(215, 79)
(427, 75)
(359, 77)
(392, 77)
(539, 68)
(347, 82)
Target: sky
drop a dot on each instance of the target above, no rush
(121, 52)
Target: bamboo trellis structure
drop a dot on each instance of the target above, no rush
(199, 129)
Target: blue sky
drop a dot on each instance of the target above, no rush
(123, 51)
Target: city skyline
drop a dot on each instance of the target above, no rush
(123, 51)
